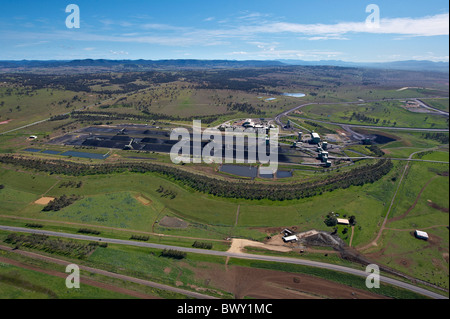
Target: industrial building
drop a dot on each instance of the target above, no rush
(315, 138)
(290, 239)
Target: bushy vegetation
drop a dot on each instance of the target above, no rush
(140, 238)
(330, 220)
(166, 192)
(88, 231)
(71, 184)
(440, 137)
(60, 202)
(175, 254)
(202, 245)
(67, 248)
(32, 225)
(376, 150)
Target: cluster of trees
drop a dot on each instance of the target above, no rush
(166, 192)
(202, 245)
(140, 238)
(171, 253)
(330, 220)
(88, 231)
(376, 150)
(32, 225)
(67, 248)
(440, 137)
(71, 184)
(359, 176)
(364, 118)
(60, 202)
(59, 117)
(2, 186)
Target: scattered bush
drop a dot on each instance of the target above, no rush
(202, 245)
(141, 238)
(34, 225)
(171, 253)
(88, 231)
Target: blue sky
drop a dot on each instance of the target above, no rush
(231, 29)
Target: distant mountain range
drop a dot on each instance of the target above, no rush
(412, 65)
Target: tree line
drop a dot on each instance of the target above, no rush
(358, 176)
(147, 116)
(67, 248)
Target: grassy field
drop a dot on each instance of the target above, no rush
(441, 104)
(20, 106)
(428, 212)
(21, 283)
(383, 113)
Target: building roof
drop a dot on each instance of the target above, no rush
(290, 238)
(421, 234)
(315, 135)
(343, 221)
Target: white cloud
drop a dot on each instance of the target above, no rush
(425, 26)
(118, 52)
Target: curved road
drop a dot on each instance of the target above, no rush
(288, 260)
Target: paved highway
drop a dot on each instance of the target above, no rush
(233, 255)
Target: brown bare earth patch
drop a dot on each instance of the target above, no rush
(270, 284)
(173, 222)
(143, 200)
(238, 246)
(404, 262)
(44, 200)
